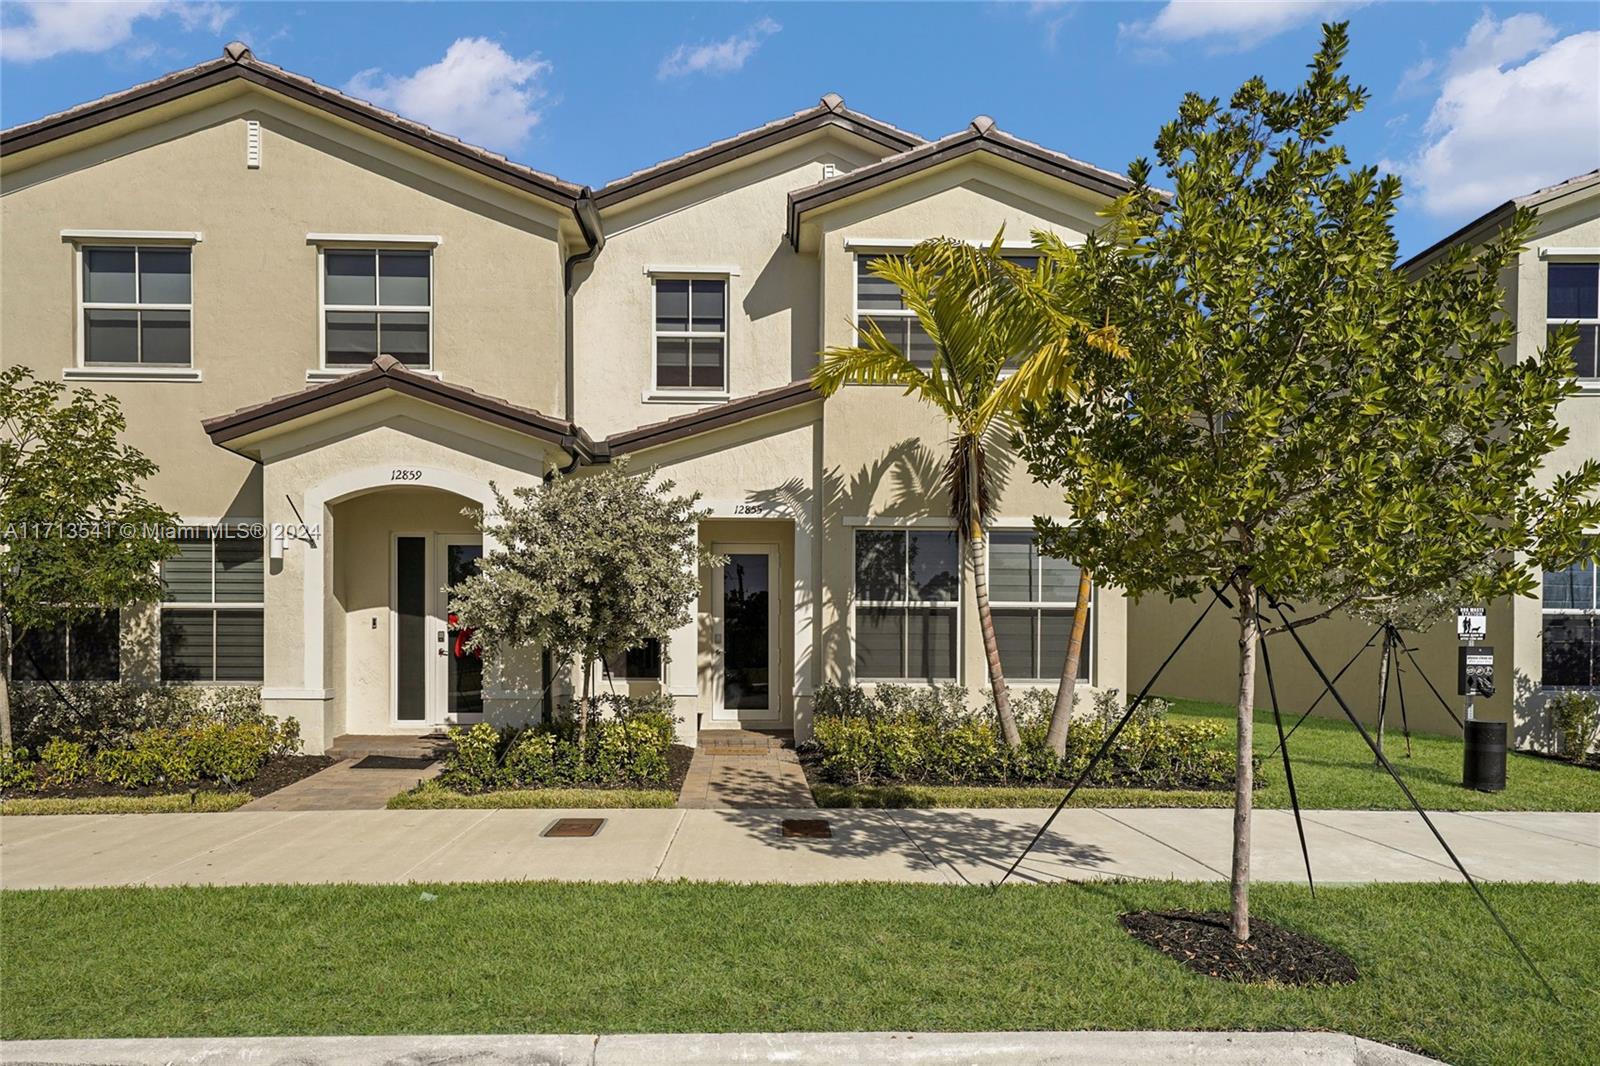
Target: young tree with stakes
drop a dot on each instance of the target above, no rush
(1290, 405)
(77, 534)
(584, 567)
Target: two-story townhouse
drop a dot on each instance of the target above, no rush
(337, 331)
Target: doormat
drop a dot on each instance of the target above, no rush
(395, 762)
(574, 827)
(816, 828)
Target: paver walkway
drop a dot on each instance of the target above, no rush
(946, 846)
(731, 782)
(343, 787)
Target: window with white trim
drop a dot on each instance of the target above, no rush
(212, 607)
(642, 663)
(1033, 598)
(880, 302)
(136, 306)
(1572, 297)
(1571, 630)
(906, 606)
(689, 343)
(377, 301)
(86, 650)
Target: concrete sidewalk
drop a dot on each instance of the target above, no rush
(939, 846)
(728, 1049)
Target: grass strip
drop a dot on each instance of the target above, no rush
(203, 802)
(678, 957)
(432, 796)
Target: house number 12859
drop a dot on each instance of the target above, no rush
(399, 474)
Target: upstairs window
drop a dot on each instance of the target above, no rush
(1573, 298)
(211, 611)
(1571, 628)
(1034, 599)
(908, 584)
(83, 651)
(377, 302)
(881, 303)
(136, 306)
(691, 334)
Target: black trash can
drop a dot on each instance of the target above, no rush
(1484, 765)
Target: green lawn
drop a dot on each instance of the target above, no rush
(1333, 770)
(680, 957)
(431, 796)
(207, 802)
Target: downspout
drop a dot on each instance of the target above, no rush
(587, 216)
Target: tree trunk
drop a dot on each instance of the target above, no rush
(1244, 776)
(1383, 687)
(1061, 717)
(583, 707)
(5, 684)
(978, 544)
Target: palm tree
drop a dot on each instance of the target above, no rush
(998, 339)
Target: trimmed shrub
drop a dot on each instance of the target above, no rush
(902, 735)
(627, 745)
(109, 714)
(17, 770)
(1577, 717)
(65, 761)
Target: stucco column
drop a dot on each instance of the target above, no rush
(683, 666)
(294, 678)
(805, 619)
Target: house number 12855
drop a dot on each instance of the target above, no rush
(399, 474)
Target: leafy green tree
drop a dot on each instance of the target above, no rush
(996, 340)
(77, 534)
(1293, 416)
(584, 567)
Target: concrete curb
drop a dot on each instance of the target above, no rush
(728, 1049)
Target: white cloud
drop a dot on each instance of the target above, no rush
(34, 31)
(1231, 25)
(478, 92)
(717, 57)
(1518, 109)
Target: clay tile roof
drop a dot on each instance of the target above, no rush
(238, 62)
(829, 111)
(388, 373)
(981, 134)
(723, 414)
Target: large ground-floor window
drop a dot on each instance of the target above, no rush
(1572, 627)
(83, 651)
(1033, 598)
(642, 663)
(211, 610)
(905, 612)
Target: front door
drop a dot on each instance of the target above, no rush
(437, 681)
(745, 592)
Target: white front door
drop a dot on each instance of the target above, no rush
(435, 680)
(745, 676)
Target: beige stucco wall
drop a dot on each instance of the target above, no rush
(730, 222)
(497, 299)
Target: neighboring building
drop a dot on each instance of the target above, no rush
(1540, 645)
(335, 330)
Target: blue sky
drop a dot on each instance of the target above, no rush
(1472, 103)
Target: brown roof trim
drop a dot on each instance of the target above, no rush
(724, 414)
(1490, 219)
(388, 373)
(830, 112)
(239, 63)
(981, 136)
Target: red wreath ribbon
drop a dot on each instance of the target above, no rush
(463, 638)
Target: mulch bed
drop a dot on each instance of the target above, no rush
(276, 772)
(1203, 942)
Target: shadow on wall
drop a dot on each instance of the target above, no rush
(1531, 726)
(915, 474)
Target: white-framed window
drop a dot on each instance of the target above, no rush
(376, 301)
(212, 606)
(642, 663)
(880, 302)
(1571, 627)
(1033, 598)
(905, 615)
(1572, 297)
(135, 306)
(83, 651)
(689, 338)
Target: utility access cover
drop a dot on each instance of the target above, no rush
(574, 827)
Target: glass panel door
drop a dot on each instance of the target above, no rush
(411, 629)
(463, 680)
(745, 602)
